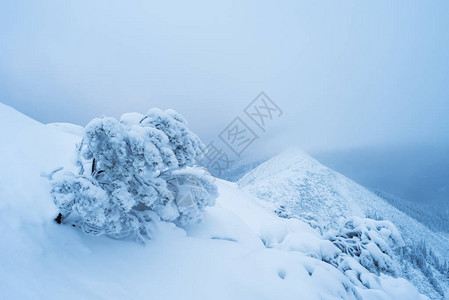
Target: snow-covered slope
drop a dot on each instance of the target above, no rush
(69, 128)
(296, 185)
(223, 257)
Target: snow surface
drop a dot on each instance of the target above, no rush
(69, 128)
(241, 250)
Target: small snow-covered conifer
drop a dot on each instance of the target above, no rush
(134, 171)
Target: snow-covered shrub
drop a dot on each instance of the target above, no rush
(135, 171)
(371, 243)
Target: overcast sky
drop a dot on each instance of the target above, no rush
(345, 73)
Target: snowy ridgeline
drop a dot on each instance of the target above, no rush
(240, 250)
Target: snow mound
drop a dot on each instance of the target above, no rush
(241, 250)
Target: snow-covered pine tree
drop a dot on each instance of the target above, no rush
(135, 171)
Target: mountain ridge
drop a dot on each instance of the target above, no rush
(299, 186)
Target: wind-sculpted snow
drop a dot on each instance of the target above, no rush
(241, 249)
(293, 184)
